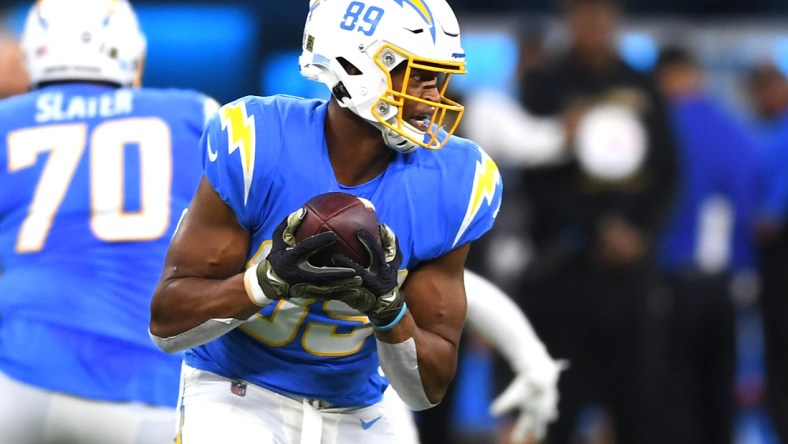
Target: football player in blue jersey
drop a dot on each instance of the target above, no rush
(94, 175)
(283, 351)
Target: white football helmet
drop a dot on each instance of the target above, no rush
(83, 40)
(375, 36)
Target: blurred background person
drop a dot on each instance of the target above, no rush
(594, 218)
(708, 241)
(94, 175)
(768, 88)
(768, 92)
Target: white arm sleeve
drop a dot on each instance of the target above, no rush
(492, 314)
(199, 335)
(401, 367)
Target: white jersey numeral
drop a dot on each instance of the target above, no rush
(107, 146)
(65, 144)
(109, 221)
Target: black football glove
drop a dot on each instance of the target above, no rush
(379, 296)
(286, 272)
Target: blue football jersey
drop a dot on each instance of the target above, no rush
(93, 181)
(266, 157)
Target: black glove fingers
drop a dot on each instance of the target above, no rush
(373, 247)
(326, 275)
(312, 244)
(341, 260)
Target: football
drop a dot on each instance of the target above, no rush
(344, 214)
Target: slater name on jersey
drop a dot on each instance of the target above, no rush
(52, 107)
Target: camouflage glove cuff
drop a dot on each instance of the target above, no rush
(384, 311)
(388, 311)
(272, 285)
(263, 286)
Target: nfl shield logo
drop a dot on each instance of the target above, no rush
(238, 388)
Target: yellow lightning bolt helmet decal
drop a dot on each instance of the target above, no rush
(240, 135)
(423, 9)
(485, 180)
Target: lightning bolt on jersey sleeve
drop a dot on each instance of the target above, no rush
(458, 203)
(483, 201)
(235, 156)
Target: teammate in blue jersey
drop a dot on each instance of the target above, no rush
(282, 351)
(94, 175)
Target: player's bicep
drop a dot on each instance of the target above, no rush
(209, 242)
(435, 293)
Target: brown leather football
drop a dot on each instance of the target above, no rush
(344, 214)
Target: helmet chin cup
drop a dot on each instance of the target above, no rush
(397, 141)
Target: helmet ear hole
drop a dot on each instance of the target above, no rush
(350, 69)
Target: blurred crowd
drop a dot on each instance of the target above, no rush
(641, 215)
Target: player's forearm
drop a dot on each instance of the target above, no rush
(180, 304)
(435, 357)
(437, 364)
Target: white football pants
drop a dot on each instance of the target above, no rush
(30, 415)
(401, 418)
(214, 409)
